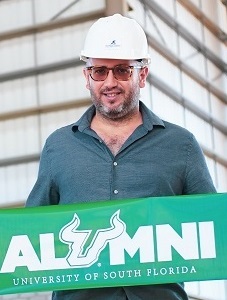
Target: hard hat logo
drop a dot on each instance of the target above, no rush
(116, 37)
(113, 44)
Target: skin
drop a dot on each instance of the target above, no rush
(113, 99)
(116, 102)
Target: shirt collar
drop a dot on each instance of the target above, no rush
(149, 119)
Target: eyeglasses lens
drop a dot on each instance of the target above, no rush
(122, 73)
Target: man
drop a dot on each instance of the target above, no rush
(119, 148)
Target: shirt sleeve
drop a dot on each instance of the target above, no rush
(44, 191)
(197, 178)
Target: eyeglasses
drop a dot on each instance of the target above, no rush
(120, 72)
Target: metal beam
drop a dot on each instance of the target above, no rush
(51, 25)
(175, 60)
(69, 63)
(160, 85)
(116, 6)
(43, 109)
(166, 89)
(19, 160)
(211, 26)
(185, 34)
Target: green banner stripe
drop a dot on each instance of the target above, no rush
(117, 243)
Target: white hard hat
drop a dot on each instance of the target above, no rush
(116, 37)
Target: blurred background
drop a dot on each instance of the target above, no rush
(42, 86)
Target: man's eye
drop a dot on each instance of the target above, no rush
(100, 71)
(122, 70)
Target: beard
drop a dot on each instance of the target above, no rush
(124, 110)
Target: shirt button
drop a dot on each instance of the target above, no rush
(115, 192)
(115, 163)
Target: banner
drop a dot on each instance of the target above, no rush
(114, 243)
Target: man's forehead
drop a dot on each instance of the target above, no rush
(109, 62)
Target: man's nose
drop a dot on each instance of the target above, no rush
(110, 79)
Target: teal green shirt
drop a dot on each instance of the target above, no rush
(158, 159)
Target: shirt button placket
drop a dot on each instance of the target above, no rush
(115, 190)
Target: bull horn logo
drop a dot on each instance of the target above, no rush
(76, 240)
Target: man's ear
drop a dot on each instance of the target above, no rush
(142, 76)
(86, 75)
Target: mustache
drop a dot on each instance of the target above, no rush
(113, 90)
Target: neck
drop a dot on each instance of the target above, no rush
(115, 132)
(132, 120)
